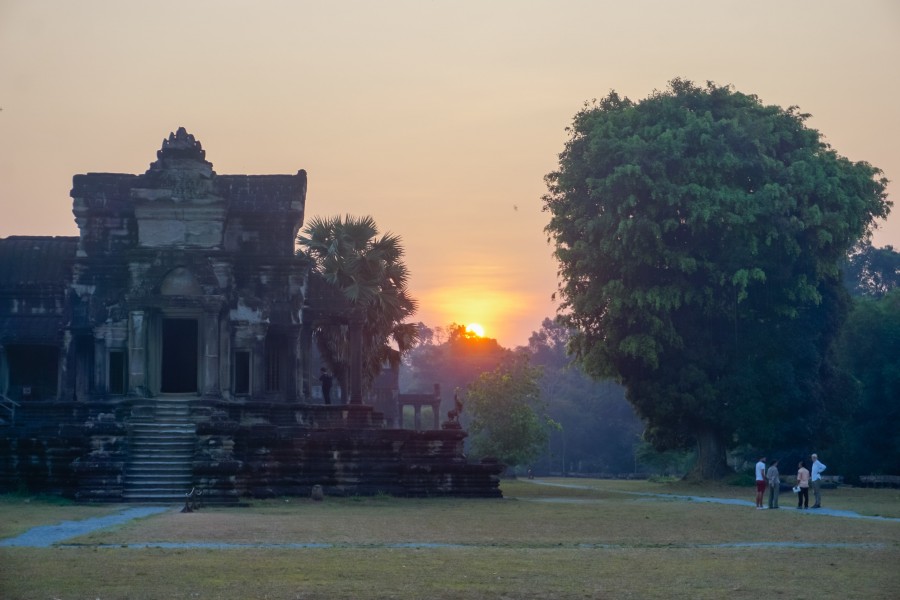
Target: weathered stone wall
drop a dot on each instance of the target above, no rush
(290, 461)
(341, 448)
(73, 449)
(249, 450)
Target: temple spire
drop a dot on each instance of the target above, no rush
(181, 152)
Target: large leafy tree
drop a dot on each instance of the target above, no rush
(506, 413)
(369, 270)
(699, 235)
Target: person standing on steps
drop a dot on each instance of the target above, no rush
(816, 479)
(325, 379)
(774, 484)
(760, 482)
(803, 484)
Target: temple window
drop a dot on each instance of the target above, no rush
(242, 372)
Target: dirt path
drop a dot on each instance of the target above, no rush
(48, 535)
(831, 512)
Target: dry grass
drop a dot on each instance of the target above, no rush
(538, 542)
(449, 573)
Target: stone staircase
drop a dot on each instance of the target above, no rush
(160, 452)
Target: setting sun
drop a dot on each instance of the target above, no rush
(475, 329)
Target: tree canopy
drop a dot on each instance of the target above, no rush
(370, 272)
(699, 235)
(869, 347)
(506, 413)
(871, 271)
(450, 357)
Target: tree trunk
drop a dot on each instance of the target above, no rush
(711, 462)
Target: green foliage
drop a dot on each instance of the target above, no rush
(741, 479)
(506, 412)
(869, 347)
(871, 271)
(699, 235)
(598, 427)
(672, 463)
(370, 272)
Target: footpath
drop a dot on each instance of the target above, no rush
(830, 512)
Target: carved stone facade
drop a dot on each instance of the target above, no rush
(169, 346)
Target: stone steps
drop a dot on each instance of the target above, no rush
(161, 453)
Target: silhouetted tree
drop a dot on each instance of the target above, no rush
(699, 235)
(454, 363)
(370, 272)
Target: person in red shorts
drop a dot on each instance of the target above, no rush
(760, 482)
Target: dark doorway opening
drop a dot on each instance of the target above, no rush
(179, 356)
(241, 372)
(118, 372)
(32, 371)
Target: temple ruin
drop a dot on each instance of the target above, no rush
(169, 346)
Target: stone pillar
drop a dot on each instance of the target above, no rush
(226, 359)
(258, 365)
(84, 366)
(417, 420)
(101, 360)
(436, 407)
(305, 376)
(67, 369)
(293, 365)
(137, 352)
(210, 365)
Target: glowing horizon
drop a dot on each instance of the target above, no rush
(475, 329)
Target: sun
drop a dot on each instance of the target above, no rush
(475, 329)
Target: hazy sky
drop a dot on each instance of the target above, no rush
(439, 118)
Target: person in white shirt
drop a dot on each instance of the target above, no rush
(815, 478)
(760, 482)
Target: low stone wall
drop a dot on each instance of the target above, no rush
(290, 461)
(254, 450)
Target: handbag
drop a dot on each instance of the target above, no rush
(796, 489)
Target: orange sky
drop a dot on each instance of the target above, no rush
(439, 118)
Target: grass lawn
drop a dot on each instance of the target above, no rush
(604, 541)
(21, 512)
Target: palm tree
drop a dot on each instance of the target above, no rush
(369, 271)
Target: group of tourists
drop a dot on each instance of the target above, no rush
(770, 478)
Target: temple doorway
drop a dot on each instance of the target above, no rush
(179, 356)
(29, 372)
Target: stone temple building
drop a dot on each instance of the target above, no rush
(170, 346)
